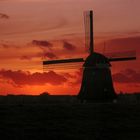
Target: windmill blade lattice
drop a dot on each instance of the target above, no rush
(121, 56)
(63, 64)
(87, 30)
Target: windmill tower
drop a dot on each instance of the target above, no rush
(97, 81)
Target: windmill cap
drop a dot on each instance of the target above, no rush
(97, 60)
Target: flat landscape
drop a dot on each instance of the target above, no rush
(64, 119)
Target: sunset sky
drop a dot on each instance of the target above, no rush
(34, 30)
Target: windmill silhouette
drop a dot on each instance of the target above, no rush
(97, 81)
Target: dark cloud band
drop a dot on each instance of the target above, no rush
(4, 16)
(21, 78)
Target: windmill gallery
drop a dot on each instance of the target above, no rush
(97, 81)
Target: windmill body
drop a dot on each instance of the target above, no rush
(97, 81)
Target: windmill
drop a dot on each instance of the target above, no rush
(97, 81)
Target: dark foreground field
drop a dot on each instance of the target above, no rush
(69, 120)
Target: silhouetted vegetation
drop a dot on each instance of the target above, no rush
(45, 94)
(63, 117)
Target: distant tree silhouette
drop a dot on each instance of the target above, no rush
(45, 94)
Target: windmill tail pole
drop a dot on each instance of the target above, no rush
(91, 32)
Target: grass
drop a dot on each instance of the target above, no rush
(65, 120)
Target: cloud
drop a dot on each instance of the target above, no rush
(4, 16)
(43, 43)
(25, 57)
(9, 44)
(123, 47)
(133, 33)
(77, 77)
(68, 75)
(127, 43)
(50, 55)
(68, 46)
(127, 76)
(44, 46)
(6, 46)
(43, 55)
(21, 78)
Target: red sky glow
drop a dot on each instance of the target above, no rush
(34, 30)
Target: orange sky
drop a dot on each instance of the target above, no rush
(54, 29)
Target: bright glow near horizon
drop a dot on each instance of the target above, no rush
(60, 24)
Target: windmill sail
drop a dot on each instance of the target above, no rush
(63, 63)
(88, 21)
(122, 59)
(121, 56)
(64, 66)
